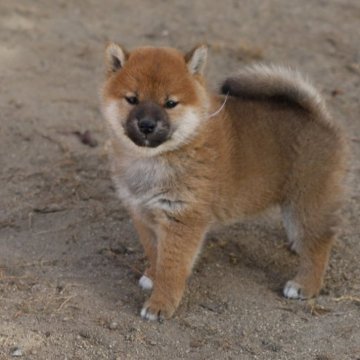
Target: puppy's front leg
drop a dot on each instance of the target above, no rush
(148, 240)
(178, 245)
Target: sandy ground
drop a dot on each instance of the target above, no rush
(69, 257)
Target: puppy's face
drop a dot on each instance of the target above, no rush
(154, 98)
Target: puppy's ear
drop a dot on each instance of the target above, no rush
(196, 59)
(115, 57)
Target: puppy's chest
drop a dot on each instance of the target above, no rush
(150, 185)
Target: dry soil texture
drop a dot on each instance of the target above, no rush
(69, 256)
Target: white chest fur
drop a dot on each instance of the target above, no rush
(148, 183)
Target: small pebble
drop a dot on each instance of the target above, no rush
(85, 334)
(86, 138)
(113, 325)
(17, 352)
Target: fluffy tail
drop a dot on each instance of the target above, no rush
(275, 83)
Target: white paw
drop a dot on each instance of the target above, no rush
(145, 283)
(147, 315)
(293, 290)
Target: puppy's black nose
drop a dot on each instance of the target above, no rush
(147, 125)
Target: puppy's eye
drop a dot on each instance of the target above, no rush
(170, 104)
(132, 100)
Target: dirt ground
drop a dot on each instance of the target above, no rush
(69, 256)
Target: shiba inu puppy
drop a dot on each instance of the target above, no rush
(184, 160)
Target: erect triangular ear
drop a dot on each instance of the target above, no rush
(115, 57)
(196, 59)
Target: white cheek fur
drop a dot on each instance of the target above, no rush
(112, 114)
(187, 127)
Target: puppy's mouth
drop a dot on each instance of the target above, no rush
(147, 138)
(148, 125)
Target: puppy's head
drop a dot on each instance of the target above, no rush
(154, 99)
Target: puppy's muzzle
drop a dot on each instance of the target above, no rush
(148, 125)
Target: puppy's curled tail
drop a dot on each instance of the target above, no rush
(278, 84)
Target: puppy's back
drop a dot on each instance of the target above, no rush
(281, 133)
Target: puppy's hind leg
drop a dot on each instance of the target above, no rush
(312, 197)
(293, 228)
(312, 239)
